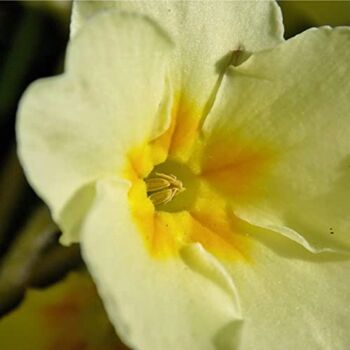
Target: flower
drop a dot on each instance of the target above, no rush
(202, 163)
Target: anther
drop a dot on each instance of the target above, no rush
(162, 188)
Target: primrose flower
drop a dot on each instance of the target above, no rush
(203, 164)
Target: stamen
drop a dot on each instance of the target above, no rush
(162, 188)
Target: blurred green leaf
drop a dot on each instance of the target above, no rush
(16, 266)
(34, 258)
(300, 15)
(68, 315)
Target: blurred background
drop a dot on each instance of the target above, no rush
(47, 299)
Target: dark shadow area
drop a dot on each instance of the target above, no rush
(32, 44)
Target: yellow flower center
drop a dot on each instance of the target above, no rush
(184, 188)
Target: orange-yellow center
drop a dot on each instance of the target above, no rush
(184, 186)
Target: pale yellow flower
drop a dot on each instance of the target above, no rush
(208, 188)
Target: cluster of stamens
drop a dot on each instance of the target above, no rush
(162, 188)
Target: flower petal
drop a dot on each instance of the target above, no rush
(179, 303)
(205, 33)
(79, 126)
(292, 298)
(292, 103)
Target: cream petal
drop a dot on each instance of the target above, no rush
(77, 127)
(292, 298)
(293, 103)
(178, 303)
(205, 32)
